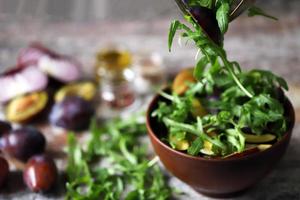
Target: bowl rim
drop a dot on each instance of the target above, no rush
(285, 137)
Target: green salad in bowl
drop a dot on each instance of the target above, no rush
(216, 109)
(218, 128)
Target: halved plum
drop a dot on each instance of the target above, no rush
(86, 90)
(21, 80)
(26, 107)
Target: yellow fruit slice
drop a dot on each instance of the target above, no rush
(85, 90)
(182, 80)
(207, 148)
(259, 138)
(197, 109)
(25, 107)
(263, 147)
(181, 145)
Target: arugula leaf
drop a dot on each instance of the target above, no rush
(236, 139)
(270, 78)
(196, 146)
(173, 28)
(223, 17)
(124, 165)
(254, 11)
(204, 3)
(260, 111)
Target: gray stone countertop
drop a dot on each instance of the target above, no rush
(255, 42)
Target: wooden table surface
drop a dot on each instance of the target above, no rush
(254, 42)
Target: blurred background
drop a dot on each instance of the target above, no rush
(81, 28)
(90, 10)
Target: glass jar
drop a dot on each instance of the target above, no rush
(115, 78)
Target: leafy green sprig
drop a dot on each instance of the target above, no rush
(212, 53)
(125, 171)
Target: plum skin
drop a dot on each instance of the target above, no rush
(4, 127)
(23, 143)
(4, 170)
(73, 113)
(40, 173)
(206, 18)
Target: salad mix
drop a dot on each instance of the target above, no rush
(217, 109)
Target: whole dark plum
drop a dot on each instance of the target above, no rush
(73, 113)
(4, 127)
(4, 169)
(40, 173)
(23, 143)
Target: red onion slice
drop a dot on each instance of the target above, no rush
(33, 53)
(63, 69)
(60, 67)
(29, 79)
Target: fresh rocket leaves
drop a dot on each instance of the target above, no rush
(209, 49)
(223, 16)
(195, 147)
(204, 3)
(263, 114)
(254, 11)
(114, 165)
(235, 100)
(261, 111)
(173, 28)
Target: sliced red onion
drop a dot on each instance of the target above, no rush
(28, 79)
(63, 69)
(33, 53)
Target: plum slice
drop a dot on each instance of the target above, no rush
(20, 80)
(182, 80)
(85, 90)
(25, 108)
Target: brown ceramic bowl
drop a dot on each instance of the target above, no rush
(217, 177)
